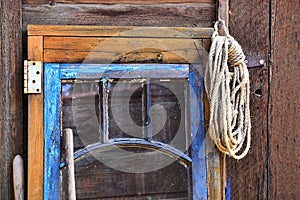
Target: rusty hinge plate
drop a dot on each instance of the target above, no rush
(32, 77)
(255, 61)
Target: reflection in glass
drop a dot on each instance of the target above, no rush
(80, 111)
(144, 109)
(95, 180)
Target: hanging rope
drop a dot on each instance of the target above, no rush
(228, 88)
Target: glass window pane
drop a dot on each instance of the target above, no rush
(127, 109)
(109, 174)
(152, 109)
(167, 112)
(80, 112)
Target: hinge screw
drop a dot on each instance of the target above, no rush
(261, 61)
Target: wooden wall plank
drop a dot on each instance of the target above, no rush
(11, 106)
(223, 10)
(120, 31)
(247, 178)
(213, 155)
(35, 128)
(125, 50)
(284, 108)
(115, 1)
(179, 15)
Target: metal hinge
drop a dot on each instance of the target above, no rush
(32, 77)
(255, 61)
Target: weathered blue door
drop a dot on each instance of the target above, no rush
(138, 130)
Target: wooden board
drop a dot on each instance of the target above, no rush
(213, 156)
(120, 31)
(11, 112)
(115, 1)
(123, 50)
(200, 189)
(52, 132)
(251, 170)
(223, 11)
(121, 44)
(284, 108)
(247, 178)
(168, 15)
(35, 128)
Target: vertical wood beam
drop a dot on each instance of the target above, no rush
(11, 115)
(35, 127)
(213, 156)
(249, 25)
(217, 161)
(223, 10)
(284, 103)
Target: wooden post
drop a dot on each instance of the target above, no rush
(70, 163)
(248, 24)
(223, 11)
(35, 128)
(11, 115)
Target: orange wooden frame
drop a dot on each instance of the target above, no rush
(38, 50)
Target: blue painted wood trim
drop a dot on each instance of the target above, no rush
(94, 71)
(199, 176)
(52, 88)
(228, 190)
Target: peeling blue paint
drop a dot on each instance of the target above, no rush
(90, 71)
(52, 89)
(54, 73)
(198, 137)
(228, 190)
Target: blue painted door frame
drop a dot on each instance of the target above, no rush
(54, 73)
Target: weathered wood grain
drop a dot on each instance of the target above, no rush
(124, 50)
(119, 32)
(284, 108)
(214, 167)
(11, 106)
(35, 128)
(248, 24)
(247, 178)
(115, 1)
(223, 10)
(186, 15)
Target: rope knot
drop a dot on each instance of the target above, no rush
(235, 53)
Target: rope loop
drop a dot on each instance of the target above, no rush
(228, 87)
(221, 23)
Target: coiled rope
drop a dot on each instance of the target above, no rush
(228, 88)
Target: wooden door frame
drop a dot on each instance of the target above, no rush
(36, 36)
